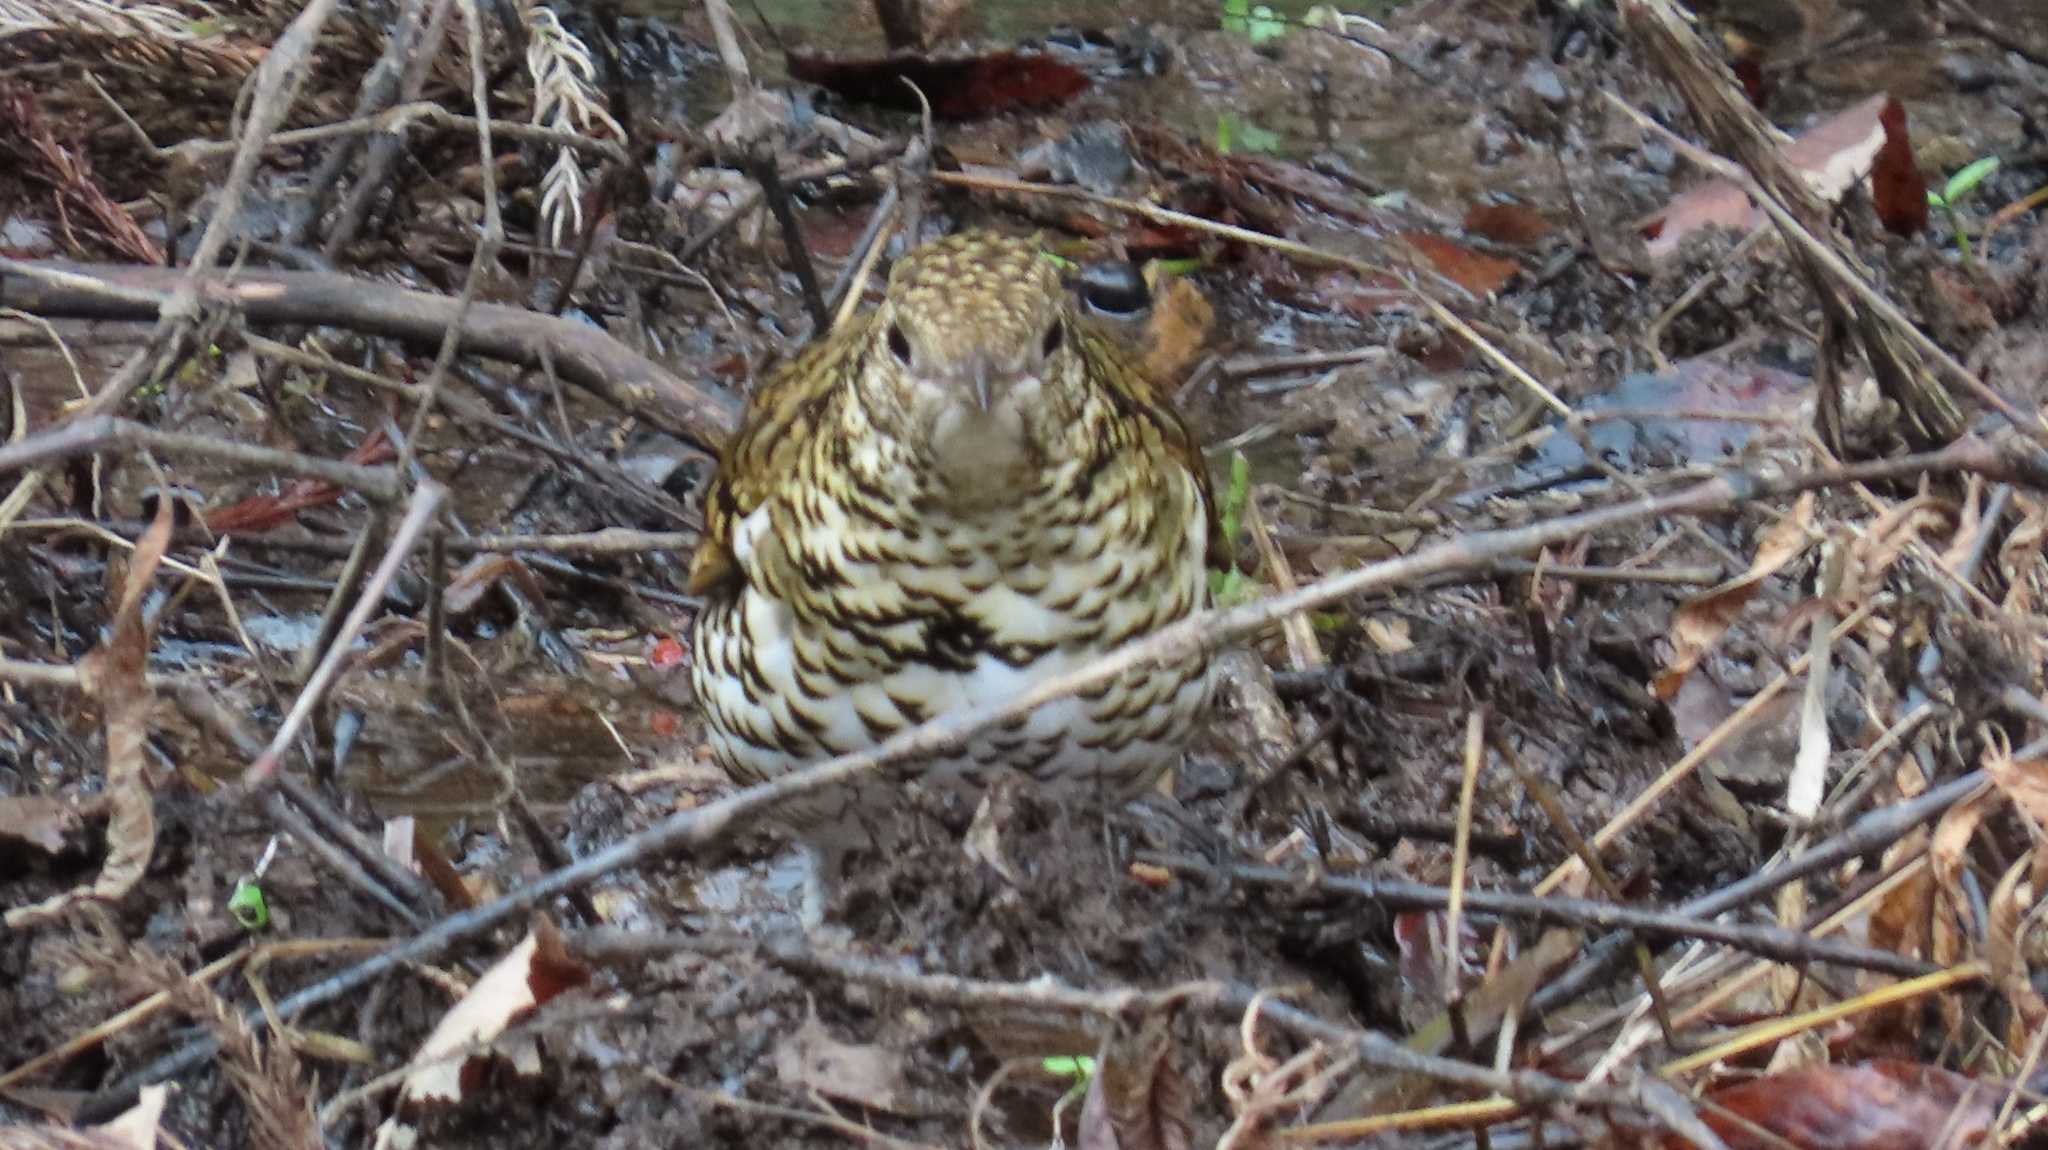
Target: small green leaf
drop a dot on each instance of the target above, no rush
(1230, 588)
(1258, 140)
(248, 907)
(1237, 15)
(1226, 125)
(1964, 182)
(1182, 267)
(1070, 1066)
(1265, 26)
(1236, 495)
(1060, 262)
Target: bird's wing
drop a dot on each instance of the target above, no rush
(1142, 397)
(785, 413)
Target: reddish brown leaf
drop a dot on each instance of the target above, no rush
(266, 512)
(467, 587)
(960, 88)
(1879, 1105)
(1897, 188)
(1749, 72)
(1517, 225)
(1162, 242)
(1476, 272)
(440, 870)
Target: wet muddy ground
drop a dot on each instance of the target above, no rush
(1459, 125)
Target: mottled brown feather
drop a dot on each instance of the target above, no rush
(781, 418)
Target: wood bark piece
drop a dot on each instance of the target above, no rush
(585, 356)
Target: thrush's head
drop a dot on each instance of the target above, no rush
(973, 357)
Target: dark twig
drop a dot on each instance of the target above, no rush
(395, 121)
(483, 258)
(355, 565)
(83, 437)
(301, 828)
(426, 501)
(1773, 942)
(761, 164)
(1648, 1095)
(606, 541)
(205, 707)
(1877, 829)
(417, 52)
(606, 475)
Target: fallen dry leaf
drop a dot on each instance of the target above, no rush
(530, 974)
(1138, 1100)
(1517, 225)
(36, 821)
(1475, 271)
(1698, 625)
(1897, 189)
(865, 1075)
(260, 513)
(1834, 155)
(2025, 783)
(1880, 1105)
(114, 674)
(2005, 949)
(466, 588)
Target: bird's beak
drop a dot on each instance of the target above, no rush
(983, 391)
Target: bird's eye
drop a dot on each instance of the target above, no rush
(1055, 337)
(1115, 289)
(899, 345)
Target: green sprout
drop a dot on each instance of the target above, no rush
(1958, 188)
(1080, 1068)
(248, 907)
(1259, 24)
(1230, 587)
(1070, 1066)
(1233, 134)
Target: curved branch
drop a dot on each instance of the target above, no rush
(585, 356)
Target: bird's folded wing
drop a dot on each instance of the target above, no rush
(787, 412)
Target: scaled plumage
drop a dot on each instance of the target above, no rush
(964, 492)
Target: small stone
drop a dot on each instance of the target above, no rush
(1543, 82)
(1968, 73)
